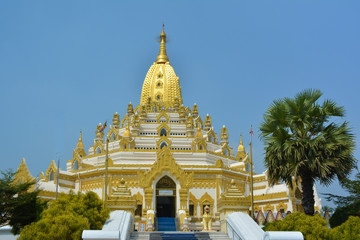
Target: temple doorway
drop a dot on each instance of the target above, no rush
(165, 197)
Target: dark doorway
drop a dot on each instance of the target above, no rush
(166, 197)
(165, 206)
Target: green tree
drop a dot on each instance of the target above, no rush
(327, 209)
(312, 227)
(341, 214)
(348, 230)
(67, 217)
(347, 205)
(18, 205)
(302, 143)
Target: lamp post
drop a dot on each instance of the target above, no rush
(251, 174)
(58, 156)
(106, 169)
(252, 182)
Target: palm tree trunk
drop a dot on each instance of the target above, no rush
(307, 193)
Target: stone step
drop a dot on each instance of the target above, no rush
(166, 224)
(179, 236)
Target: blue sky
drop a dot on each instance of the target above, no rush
(65, 66)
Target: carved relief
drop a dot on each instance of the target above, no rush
(165, 162)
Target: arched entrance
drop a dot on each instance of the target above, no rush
(165, 197)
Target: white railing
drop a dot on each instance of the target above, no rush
(232, 233)
(241, 226)
(117, 227)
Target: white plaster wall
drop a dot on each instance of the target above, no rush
(67, 182)
(199, 192)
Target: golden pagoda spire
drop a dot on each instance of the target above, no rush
(127, 133)
(241, 145)
(198, 133)
(162, 58)
(80, 146)
(80, 142)
(241, 150)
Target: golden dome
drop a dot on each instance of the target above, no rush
(241, 147)
(240, 155)
(127, 131)
(161, 83)
(198, 133)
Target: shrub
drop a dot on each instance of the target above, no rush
(348, 230)
(312, 227)
(67, 217)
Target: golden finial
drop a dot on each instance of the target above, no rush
(198, 133)
(224, 135)
(80, 142)
(207, 122)
(127, 130)
(80, 149)
(241, 150)
(116, 120)
(162, 58)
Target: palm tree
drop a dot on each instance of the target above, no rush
(302, 143)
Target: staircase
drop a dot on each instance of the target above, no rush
(179, 236)
(166, 224)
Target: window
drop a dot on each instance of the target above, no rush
(138, 210)
(75, 165)
(158, 97)
(163, 144)
(163, 132)
(113, 137)
(51, 175)
(98, 150)
(211, 138)
(226, 152)
(248, 167)
(191, 208)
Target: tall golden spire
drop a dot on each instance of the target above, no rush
(161, 85)
(241, 146)
(162, 58)
(80, 147)
(80, 143)
(241, 150)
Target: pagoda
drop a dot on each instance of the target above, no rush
(162, 159)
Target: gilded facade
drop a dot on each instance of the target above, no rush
(164, 155)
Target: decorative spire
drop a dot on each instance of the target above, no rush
(207, 122)
(224, 135)
(80, 142)
(195, 111)
(198, 133)
(127, 132)
(130, 109)
(162, 58)
(80, 146)
(116, 120)
(241, 150)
